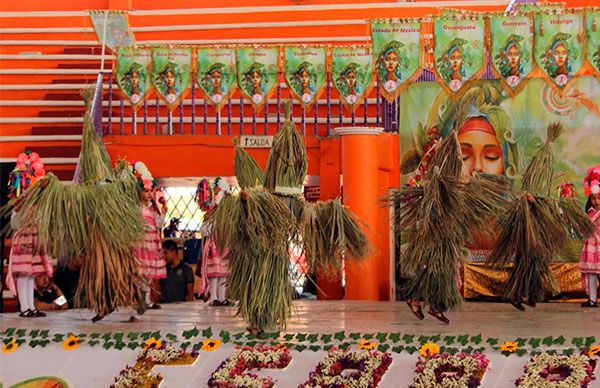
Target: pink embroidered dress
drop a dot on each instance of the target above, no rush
(26, 257)
(589, 262)
(213, 263)
(149, 252)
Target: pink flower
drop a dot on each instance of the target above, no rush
(22, 158)
(40, 172)
(34, 157)
(38, 165)
(147, 184)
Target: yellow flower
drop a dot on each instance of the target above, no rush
(72, 342)
(594, 350)
(153, 343)
(10, 346)
(280, 346)
(509, 347)
(429, 349)
(367, 345)
(210, 344)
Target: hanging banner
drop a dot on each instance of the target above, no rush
(397, 53)
(458, 50)
(215, 73)
(305, 73)
(117, 33)
(172, 73)
(558, 51)
(352, 73)
(257, 73)
(512, 48)
(592, 47)
(132, 71)
(540, 7)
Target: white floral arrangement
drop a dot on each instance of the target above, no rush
(370, 366)
(557, 371)
(450, 371)
(143, 175)
(232, 372)
(161, 355)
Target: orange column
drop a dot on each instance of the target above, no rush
(329, 284)
(360, 170)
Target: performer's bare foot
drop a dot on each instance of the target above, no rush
(255, 331)
(438, 315)
(415, 307)
(517, 305)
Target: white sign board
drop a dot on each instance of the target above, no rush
(256, 141)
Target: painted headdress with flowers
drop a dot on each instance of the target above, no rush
(145, 179)
(29, 169)
(591, 183)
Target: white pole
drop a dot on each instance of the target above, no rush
(103, 40)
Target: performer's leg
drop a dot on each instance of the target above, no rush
(22, 294)
(30, 301)
(221, 289)
(592, 283)
(213, 284)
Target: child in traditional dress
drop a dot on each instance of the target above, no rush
(589, 264)
(27, 258)
(149, 252)
(214, 268)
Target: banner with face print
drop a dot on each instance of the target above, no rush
(132, 70)
(512, 49)
(257, 73)
(352, 73)
(592, 49)
(117, 33)
(172, 73)
(397, 53)
(558, 50)
(458, 50)
(305, 73)
(216, 74)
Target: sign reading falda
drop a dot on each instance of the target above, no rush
(458, 50)
(132, 70)
(305, 73)
(257, 73)
(558, 51)
(593, 40)
(512, 46)
(172, 73)
(396, 51)
(216, 74)
(352, 73)
(118, 32)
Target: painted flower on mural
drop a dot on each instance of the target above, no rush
(367, 345)
(509, 347)
(429, 349)
(560, 371)
(366, 369)
(72, 342)
(210, 344)
(10, 347)
(450, 371)
(152, 343)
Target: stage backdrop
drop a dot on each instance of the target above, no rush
(502, 133)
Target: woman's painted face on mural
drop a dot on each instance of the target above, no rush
(215, 78)
(170, 78)
(560, 54)
(391, 62)
(456, 60)
(481, 152)
(350, 78)
(134, 78)
(304, 78)
(256, 78)
(514, 56)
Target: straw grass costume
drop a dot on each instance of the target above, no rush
(98, 220)
(535, 228)
(436, 217)
(258, 225)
